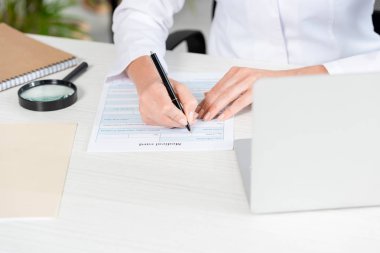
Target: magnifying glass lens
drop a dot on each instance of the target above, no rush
(47, 93)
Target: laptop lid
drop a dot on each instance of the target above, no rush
(315, 143)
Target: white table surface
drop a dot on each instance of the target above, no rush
(139, 202)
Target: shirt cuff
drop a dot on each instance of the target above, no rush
(364, 63)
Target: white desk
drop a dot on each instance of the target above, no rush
(141, 203)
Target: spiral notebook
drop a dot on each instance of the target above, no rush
(23, 59)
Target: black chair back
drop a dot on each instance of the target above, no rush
(376, 21)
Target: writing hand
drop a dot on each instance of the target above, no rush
(156, 108)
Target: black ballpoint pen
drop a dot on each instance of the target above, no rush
(167, 84)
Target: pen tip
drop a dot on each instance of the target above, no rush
(188, 127)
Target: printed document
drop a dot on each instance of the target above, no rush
(119, 128)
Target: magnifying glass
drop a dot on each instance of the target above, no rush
(50, 95)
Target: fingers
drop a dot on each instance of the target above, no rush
(173, 113)
(243, 101)
(169, 116)
(156, 108)
(188, 101)
(227, 81)
(199, 107)
(226, 98)
(235, 83)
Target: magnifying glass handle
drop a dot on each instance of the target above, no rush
(78, 70)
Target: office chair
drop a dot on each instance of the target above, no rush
(194, 39)
(376, 21)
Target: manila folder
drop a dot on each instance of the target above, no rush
(33, 163)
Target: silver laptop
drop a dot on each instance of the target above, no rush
(315, 144)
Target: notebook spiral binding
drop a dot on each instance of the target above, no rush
(30, 76)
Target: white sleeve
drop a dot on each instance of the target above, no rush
(363, 63)
(141, 26)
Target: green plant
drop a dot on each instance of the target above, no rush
(42, 17)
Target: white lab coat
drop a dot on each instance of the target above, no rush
(336, 33)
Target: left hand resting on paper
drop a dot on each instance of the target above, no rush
(234, 91)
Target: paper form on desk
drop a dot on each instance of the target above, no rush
(119, 128)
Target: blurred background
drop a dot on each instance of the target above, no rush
(91, 19)
(87, 19)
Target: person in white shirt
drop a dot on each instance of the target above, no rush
(326, 36)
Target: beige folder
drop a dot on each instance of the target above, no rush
(33, 163)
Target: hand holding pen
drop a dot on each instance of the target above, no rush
(156, 107)
(168, 86)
